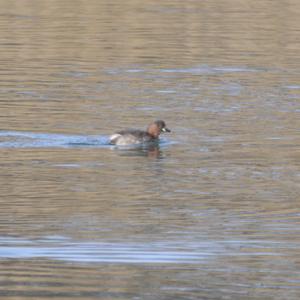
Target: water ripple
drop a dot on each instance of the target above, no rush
(19, 139)
(11, 248)
(65, 249)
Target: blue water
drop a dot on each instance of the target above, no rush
(63, 248)
(19, 139)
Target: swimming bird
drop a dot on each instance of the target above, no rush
(135, 136)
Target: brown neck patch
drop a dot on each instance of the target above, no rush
(153, 130)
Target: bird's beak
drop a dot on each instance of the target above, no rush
(165, 129)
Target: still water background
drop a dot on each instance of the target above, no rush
(213, 213)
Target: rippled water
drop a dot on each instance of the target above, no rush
(212, 212)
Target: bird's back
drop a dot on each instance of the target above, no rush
(130, 136)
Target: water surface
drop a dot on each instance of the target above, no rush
(212, 212)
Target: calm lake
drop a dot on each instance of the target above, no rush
(213, 212)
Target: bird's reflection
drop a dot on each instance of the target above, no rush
(150, 151)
